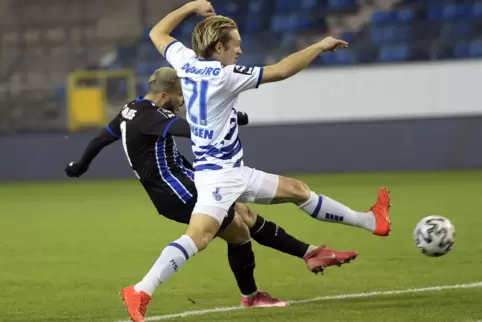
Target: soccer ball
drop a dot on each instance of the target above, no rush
(434, 236)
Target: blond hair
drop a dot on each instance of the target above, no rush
(164, 79)
(209, 32)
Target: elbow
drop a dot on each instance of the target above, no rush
(154, 35)
(157, 33)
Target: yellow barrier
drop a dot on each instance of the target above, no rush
(89, 104)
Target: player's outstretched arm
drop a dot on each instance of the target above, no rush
(160, 34)
(298, 61)
(103, 139)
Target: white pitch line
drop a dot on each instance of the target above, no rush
(317, 299)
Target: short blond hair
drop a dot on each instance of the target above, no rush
(164, 79)
(209, 32)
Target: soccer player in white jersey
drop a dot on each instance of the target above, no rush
(211, 83)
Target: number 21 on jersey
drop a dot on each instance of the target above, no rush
(197, 101)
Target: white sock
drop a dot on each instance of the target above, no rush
(171, 260)
(326, 209)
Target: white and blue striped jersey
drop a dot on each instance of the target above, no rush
(211, 94)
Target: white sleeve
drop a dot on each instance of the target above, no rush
(242, 78)
(178, 55)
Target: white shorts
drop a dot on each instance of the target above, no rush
(218, 190)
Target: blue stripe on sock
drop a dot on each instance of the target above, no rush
(181, 249)
(318, 207)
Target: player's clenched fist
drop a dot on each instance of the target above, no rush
(331, 44)
(75, 169)
(203, 8)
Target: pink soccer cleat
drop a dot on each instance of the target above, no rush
(262, 299)
(323, 257)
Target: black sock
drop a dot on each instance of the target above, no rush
(241, 261)
(269, 234)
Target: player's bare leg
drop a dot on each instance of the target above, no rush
(376, 219)
(271, 235)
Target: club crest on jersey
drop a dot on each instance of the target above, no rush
(243, 70)
(217, 196)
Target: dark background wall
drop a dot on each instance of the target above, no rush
(304, 148)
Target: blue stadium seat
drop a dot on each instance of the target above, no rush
(288, 42)
(390, 33)
(450, 12)
(340, 57)
(287, 6)
(458, 11)
(394, 53)
(147, 52)
(475, 48)
(366, 54)
(229, 8)
(342, 5)
(459, 30)
(253, 24)
(462, 50)
(406, 14)
(257, 6)
(187, 28)
(348, 36)
(309, 4)
(435, 13)
(60, 93)
(379, 17)
(147, 68)
(477, 9)
(280, 23)
(232, 8)
(126, 55)
(301, 21)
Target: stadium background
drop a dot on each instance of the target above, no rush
(403, 96)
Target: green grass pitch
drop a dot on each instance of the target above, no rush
(68, 248)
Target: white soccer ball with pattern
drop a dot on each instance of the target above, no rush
(434, 236)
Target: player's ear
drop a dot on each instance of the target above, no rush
(218, 48)
(164, 96)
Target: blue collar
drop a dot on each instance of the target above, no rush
(140, 99)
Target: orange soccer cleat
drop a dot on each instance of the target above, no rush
(381, 210)
(136, 303)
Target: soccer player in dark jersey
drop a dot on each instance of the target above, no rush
(146, 127)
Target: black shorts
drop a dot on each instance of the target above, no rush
(181, 212)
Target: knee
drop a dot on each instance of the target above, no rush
(237, 232)
(202, 230)
(298, 189)
(201, 239)
(247, 215)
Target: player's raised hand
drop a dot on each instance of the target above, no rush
(332, 44)
(203, 8)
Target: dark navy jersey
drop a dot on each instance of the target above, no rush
(151, 151)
